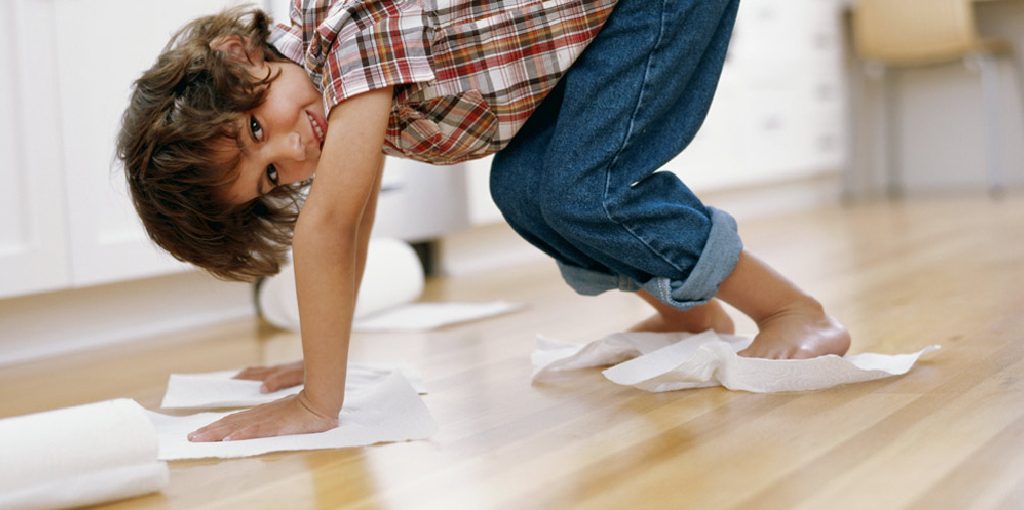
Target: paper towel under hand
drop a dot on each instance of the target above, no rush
(219, 389)
(393, 276)
(79, 456)
(388, 411)
(673, 361)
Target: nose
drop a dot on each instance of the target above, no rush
(288, 155)
(292, 148)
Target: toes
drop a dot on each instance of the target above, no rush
(804, 352)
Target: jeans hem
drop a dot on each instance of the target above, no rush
(717, 261)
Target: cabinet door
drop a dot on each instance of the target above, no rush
(33, 254)
(102, 46)
(420, 201)
(481, 207)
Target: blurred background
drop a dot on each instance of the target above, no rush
(821, 101)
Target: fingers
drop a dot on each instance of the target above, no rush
(215, 431)
(282, 416)
(281, 380)
(254, 373)
(242, 425)
(261, 373)
(247, 432)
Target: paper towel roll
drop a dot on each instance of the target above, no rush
(393, 276)
(79, 456)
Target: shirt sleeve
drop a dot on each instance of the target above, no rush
(364, 45)
(289, 39)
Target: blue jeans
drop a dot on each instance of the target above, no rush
(580, 180)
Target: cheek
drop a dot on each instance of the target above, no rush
(299, 85)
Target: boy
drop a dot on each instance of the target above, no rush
(234, 120)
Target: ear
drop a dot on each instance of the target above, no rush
(236, 49)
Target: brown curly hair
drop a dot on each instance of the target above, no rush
(181, 113)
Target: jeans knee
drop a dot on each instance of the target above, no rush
(570, 211)
(511, 193)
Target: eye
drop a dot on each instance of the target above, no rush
(255, 128)
(272, 174)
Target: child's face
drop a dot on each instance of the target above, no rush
(280, 141)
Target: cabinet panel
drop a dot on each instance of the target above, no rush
(33, 252)
(482, 209)
(107, 240)
(420, 201)
(774, 41)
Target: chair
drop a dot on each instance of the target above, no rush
(893, 34)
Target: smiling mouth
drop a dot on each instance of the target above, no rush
(319, 127)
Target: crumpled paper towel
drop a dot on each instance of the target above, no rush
(390, 410)
(79, 456)
(218, 389)
(673, 361)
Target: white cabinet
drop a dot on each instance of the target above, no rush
(65, 216)
(33, 246)
(107, 239)
(66, 219)
(778, 113)
(419, 202)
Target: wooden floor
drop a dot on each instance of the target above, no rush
(901, 275)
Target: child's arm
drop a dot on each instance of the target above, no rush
(286, 375)
(330, 241)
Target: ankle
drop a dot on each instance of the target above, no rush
(803, 305)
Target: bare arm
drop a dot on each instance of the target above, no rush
(332, 231)
(366, 227)
(329, 248)
(286, 375)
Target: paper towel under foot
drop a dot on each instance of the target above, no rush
(674, 361)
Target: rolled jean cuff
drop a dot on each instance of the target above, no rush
(717, 261)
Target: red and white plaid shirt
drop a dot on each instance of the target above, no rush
(467, 73)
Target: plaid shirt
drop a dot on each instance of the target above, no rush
(467, 73)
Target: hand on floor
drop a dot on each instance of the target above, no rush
(289, 415)
(274, 377)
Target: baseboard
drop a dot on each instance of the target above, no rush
(55, 323)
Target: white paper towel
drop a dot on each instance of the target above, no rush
(673, 361)
(427, 316)
(393, 276)
(79, 456)
(388, 411)
(218, 389)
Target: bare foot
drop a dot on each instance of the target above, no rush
(701, 318)
(799, 330)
